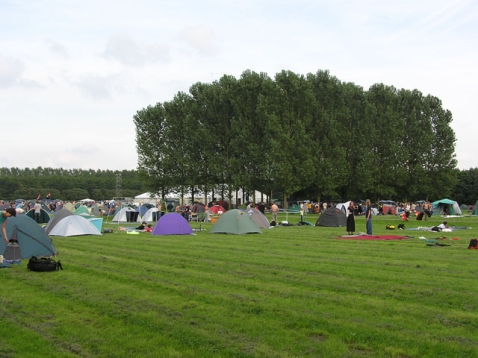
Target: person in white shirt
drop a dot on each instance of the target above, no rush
(442, 226)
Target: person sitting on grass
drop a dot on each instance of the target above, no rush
(142, 226)
(149, 228)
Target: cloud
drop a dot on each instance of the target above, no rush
(57, 48)
(129, 52)
(96, 87)
(11, 70)
(201, 38)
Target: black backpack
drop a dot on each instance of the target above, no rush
(473, 244)
(43, 264)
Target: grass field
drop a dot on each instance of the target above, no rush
(289, 292)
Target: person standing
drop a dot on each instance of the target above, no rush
(262, 207)
(368, 217)
(37, 209)
(274, 211)
(426, 210)
(350, 219)
(3, 220)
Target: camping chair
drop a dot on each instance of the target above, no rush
(197, 217)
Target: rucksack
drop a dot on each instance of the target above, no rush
(390, 227)
(401, 227)
(473, 244)
(43, 264)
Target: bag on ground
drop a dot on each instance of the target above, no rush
(473, 244)
(43, 264)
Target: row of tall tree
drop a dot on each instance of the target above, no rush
(67, 184)
(313, 136)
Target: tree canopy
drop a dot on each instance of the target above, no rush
(311, 135)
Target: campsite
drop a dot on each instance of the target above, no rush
(288, 291)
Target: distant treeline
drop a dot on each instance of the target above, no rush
(67, 184)
(75, 184)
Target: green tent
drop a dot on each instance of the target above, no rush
(475, 211)
(446, 206)
(235, 222)
(27, 237)
(81, 210)
(44, 216)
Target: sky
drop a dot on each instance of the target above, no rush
(74, 73)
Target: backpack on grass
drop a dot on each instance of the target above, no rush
(43, 264)
(473, 244)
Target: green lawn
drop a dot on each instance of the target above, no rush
(290, 292)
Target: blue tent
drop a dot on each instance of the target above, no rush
(32, 239)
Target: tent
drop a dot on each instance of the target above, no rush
(235, 222)
(223, 203)
(81, 210)
(61, 214)
(147, 197)
(74, 225)
(446, 207)
(127, 214)
(217, 209)
(475, 210)
(32, 239)
(259, 218)
(198, 208)
(172, 224)
(97, 223)
(95, 210)
(152, 215)
(44, 217)
(343, 207)
(144, 208)
(332, 217)
(69, 206)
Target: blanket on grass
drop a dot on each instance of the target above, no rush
(374, 237)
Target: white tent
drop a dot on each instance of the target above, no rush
(121, 216)
(74, 225)
(343, 207)
(148, 216)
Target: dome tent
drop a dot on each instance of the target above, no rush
(32, 239)
(74, 225)
(235, 222)
(172, 224)
(332, 217)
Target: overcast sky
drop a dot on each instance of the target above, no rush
(73, 73)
